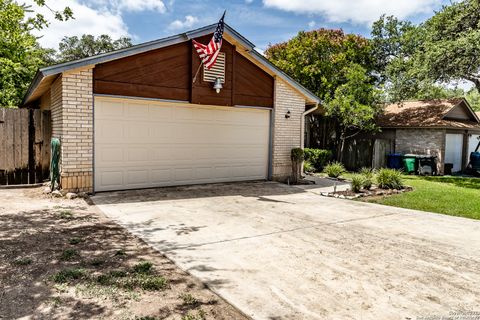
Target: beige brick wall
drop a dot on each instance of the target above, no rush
(72, 122)
(422, 141)
(286, 132)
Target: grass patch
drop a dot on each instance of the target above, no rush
(96, 262)
(68, 254)
(456, 196)
(200, 315)
(74, 241)
(22, 261)
(66, 215)
(189, 300)
(140, 278)
(143, 267)
(67, 275)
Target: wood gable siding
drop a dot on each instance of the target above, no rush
(167, 73)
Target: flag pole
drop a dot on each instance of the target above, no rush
(196, 73)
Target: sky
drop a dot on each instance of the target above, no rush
(263, 22)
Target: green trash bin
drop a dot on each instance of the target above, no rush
(409, 162)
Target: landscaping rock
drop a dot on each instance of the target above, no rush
(63, 192)
(57, 194)
(71, 195)
(47, 190)
(83, 195)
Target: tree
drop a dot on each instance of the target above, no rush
(73, 48)
(318, 59)
(450, 49)
(20, 54)
(394, 43)
(473, 98)
(354, 105)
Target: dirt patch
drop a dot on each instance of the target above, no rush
(62, 259)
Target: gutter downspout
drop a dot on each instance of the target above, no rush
(302, 124)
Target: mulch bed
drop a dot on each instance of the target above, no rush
(374, 192)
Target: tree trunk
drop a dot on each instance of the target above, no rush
(342, 146)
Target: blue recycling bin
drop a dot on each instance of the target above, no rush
(394, 161)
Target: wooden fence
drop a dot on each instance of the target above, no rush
(24, 146)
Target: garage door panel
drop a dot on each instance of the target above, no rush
(164, 145)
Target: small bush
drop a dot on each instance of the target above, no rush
(367, 182)
(297, 154)
(67, 275)
(390, 179)
(367, 172)
(357, 182)
(66, 214)
(308, 167)
(334, 169)
(318, 157)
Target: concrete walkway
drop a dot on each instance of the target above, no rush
(279, 252)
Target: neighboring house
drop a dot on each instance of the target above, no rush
(133, 118)
(447, 129)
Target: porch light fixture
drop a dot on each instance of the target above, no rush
(218, 85)
(287, 115)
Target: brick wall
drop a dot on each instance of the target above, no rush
(422, 141)
(287, 132)
(72, 122)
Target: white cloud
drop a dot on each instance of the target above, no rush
(356, 11)
(131, 5)
(87, 21)
(189, 22)
(311, 24)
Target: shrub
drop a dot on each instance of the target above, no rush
(390, 179)
(368, 176)
(367, 182)
(357, 182)
(334, 169)
(308, 167)
(317, 157)
(297, 154)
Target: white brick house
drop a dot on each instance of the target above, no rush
(134, 118)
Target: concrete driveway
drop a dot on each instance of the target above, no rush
(280, 252)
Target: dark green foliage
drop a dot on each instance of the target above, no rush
(74, 48)
(317, 157)
(143, 267)
(357, 182)
(334, 169)
(68, 275)
(390, 179)
(297, 154)
(68, 254)
(23, 261)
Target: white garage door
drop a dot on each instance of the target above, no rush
(141, 144)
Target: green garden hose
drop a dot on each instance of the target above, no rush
(55, 163)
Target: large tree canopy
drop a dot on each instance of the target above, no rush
(320, 59)
(73, 48)
(20, 54)
(450, 48)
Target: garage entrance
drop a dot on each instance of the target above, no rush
(143, 143)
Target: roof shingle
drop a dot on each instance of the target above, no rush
(423, 114)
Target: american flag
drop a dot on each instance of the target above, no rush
(209, 53)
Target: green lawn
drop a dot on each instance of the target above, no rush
(456, 196)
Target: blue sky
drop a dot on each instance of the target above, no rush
(261, 21)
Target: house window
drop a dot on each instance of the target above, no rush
(216, 71)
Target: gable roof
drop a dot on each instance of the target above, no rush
(429, 114)
(45, 76)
